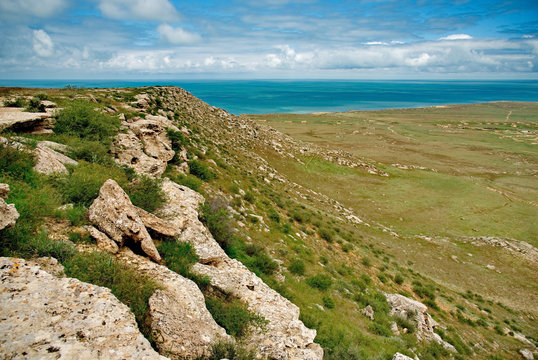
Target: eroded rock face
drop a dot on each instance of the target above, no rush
(285, 336)
(399, 356)
(8, 213)
(182, 326)
(409, 308)
(114, 214)
(21, 121)
(145, 146)
(50, 161)
(44, 317)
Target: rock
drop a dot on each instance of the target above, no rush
(49, 161)
(394, 329)
(399, 356)
(527, 354)
(368, 312)
(4, 190)
(50, 265)
(285, 336)
(17, 120)
(182, 326)
(8, 213)
(145, 145)
(412, 309)
(45, 317)
(103, 242)
(115, 215)
(157, 224)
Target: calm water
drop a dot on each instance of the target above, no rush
(290, 96)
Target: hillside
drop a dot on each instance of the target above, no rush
(354, 219)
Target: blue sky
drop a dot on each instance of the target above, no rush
(242, 39)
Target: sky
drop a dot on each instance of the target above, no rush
(268, 39)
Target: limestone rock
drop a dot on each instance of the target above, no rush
(285, 336)
(157, 224)
(394, 329)
(368, 312)
(115, 215)
(409, 308)
(399, 356)
(18, 120)
(49, 161)
(527, 354)
(8, 213)
(50, 265)
(145, 145)
(182, 326)
(103, 242)
(45, 317)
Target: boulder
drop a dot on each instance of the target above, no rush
(418, 312)
(17, 120)
(144, 145)
(157, 224)
(527, 354)
(115, 215)
(103, 242)
(284, 336)
(182, 326)
(45, 317)
(8, 213)
(368, 312)
(399, 356)
(49, 161)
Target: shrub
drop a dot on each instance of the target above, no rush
(91, 151)
(200, 170)
(250, 197)
(328, 302)
(366, 262)
(326, 234)
(17, 102)
(128, 285)
(83, 185)
(297, 267)
(233, 315)
(399, 279)
(230, 351)
(321, 281)
(273, 215)
(146, 192)
(215, 216)
(15, 163)
(35, 105)
(379, 328)
(80, 119)
(406, 323)
(347, 247)
(77, 215)
(424, 291)
(286, 228)
(262, 263)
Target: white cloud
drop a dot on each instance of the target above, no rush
(528, 36)
(156, 10)
(375, 43)
(43, 45)
(177, 35)
(457, 37)
(39, 8)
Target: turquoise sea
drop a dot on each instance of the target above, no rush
(292, 96)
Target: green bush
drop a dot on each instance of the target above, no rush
(17, 102)
(200, 170)
(424, 291)
(80, 119)
(179, 257)
(321, 281)
(399, 279)
(90, 151)
(326, 234)
(230, 351)
(127, 284)
(250, 197)
(379, 328)
(297, 267)
(233, 315)
(15, 163)
(214, 215)
(83, 185)
(328, 302)
(35, 105)
(146, 193)
(406, 323)
(189, 181)
(262, 263)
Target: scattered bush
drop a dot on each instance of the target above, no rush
(297, 267)
(35, 105)
(328, 302)
(399, 279)
(230, 351)
(200, 170)
(366, 262)
(424, 291)
(406, 322)
(273, 215)
(80, 119)
(15, 163)
(90, 151)
(326, 234)
(347, 247)
(233, 315)
(17, 102)
(321, 281)
(380, 329)
(262, 263)
(250, 197)
(146, 192)
(213, 213)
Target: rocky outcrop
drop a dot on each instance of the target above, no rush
(284, 336)
(368, 312)
(8, 213)
(50, 161)
(44, 317)
(104, 243)
(418, 312)
(526, 354)
(114, 214)
(399, 356)
(144, 145)
(17, 120)
(182, 326)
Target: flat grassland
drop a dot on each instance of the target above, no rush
(457, 174)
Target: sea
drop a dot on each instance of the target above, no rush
(308, 96)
